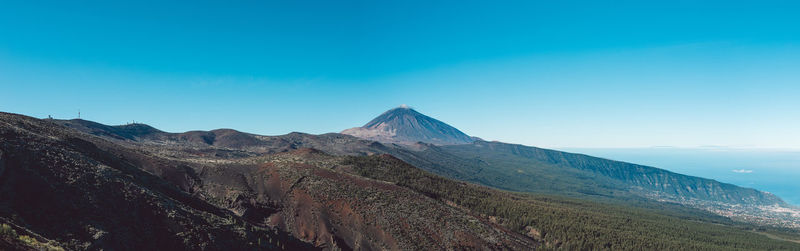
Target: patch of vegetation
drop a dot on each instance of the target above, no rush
(32, 242)
(8, 233)
(574, 224)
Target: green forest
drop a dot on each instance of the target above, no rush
(581, 224)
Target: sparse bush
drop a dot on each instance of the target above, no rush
(6, 230)
(30, 241)
(33, 242)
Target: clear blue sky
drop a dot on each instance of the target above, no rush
(543, 73)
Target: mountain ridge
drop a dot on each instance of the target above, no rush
(474, 161)
(280, 192)
(500, 165)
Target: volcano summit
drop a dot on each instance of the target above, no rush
(404, 125)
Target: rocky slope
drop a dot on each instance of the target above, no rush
(316, 197)
(135, 188)
(87, 193)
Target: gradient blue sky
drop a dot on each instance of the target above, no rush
(543, 73)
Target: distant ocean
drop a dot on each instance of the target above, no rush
(774, 171)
